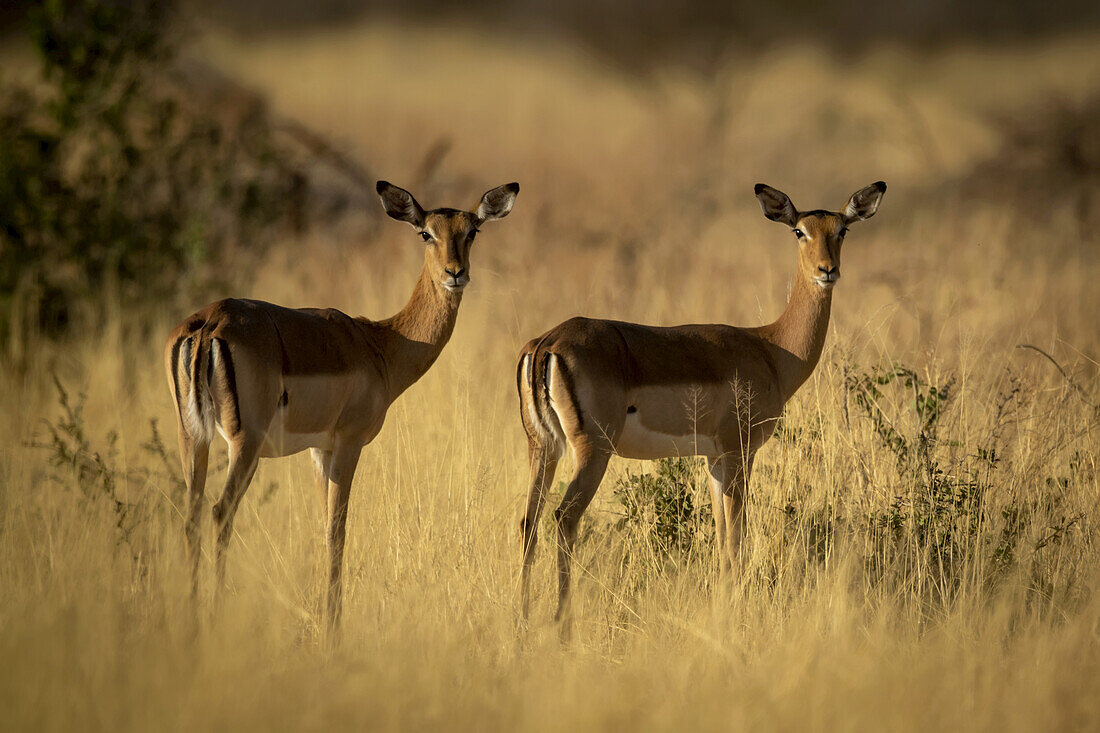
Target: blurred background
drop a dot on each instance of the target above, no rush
(155, 148)
(922, 549)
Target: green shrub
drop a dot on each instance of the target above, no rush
(107, 188)
(951, 522)
(659, 510)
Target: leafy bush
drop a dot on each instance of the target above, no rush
(107, 187)
(95, 472)
(660, 507)
(950, 521)
(100, 479)
(942, 511)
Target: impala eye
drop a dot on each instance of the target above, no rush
(798, 234)
(425, 236)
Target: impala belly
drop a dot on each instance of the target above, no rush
(636, 441)
(307, 414)
(666, 421)
(278, 442)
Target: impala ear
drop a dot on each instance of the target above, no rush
(864, 202)
(776, 205)
(400, 204)
(496, 203)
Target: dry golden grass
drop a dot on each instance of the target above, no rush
(636, 204)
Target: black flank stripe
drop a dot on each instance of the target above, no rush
(567, 379)
(230, 382)
(567, 382)
(546, 380)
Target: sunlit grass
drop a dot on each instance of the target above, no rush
(636, 204)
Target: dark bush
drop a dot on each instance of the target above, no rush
(107, 186)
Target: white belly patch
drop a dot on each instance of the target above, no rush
(278, 442)
(636, 441)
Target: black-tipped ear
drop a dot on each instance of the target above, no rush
(400, 204)
(776, 205)
(497, 202)
(864, 202)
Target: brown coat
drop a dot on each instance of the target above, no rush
(608, 387)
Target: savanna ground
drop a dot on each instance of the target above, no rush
(922, 548)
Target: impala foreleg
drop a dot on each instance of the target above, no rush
(719, 470)
(322, 462)
(345, 458)
(736, 481)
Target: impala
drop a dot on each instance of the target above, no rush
(608, 387)
(274, 381)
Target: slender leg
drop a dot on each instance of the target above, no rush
(345, 458)
(322, 464)
(243, 455)
(195, 457)
(544, 463)
(591, 466)
(737, 480)
(719, 480)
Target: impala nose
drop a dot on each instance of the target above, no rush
(829, 275)
(456, 278)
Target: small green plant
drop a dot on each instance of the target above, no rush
(659, 508)
(928, 402)
(132, 494)
(941, 508)
(92, 471)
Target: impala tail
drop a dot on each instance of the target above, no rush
(199, 360)
(542, 415)
(198, 413)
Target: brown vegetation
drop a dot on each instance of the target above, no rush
(921, 534)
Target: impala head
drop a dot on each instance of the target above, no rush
(820, 233)
(447, 234)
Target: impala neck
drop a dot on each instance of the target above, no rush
(798, 336)
(418, 332)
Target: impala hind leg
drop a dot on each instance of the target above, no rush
(195, 455)
(243, 457)
(589, 471)
(544, 464)
(345, 457)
